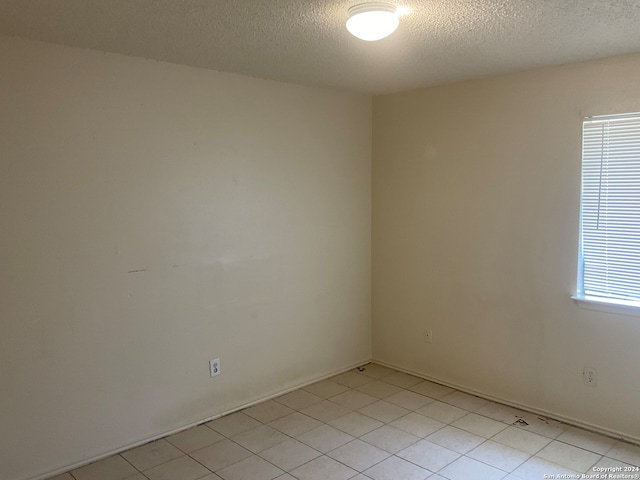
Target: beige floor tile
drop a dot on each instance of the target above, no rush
(233, 424)
(389, 439)
(466, 468)
(374, 370)
(455, 439)
(428, 455)
(417, 424)
(325, 389)
(325, 438)
(221, 455)
(211, 476)
(290, 454)
(358, 455)
(402, 380)
(323, 468)
(183, 468)
(442, 412)
(252, 468)
(479, 425)
(260, 438)
(431, 389)
(536, 468)
(356, 424)
(589, 441)
(269, 411)
(325, 411)
(64, 476)
(384, 411)
(499, 456)
(353, 399)
(295, 424)
(522, 440)
(625, 452)
(409, 400)
(286, 476)
(298, 399)
(351, 379)
(152, 454)
(379, 389)
(569, 456)
(195, 438)
(112, 468)
(464, 401)
(395, 468)
(542, 426)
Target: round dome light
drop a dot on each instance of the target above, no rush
(372, 21)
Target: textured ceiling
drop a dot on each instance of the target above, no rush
(305, 41)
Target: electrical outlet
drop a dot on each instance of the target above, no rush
(428, 336)
(214, 367)
(590, 376)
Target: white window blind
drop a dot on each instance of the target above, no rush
(609, 263)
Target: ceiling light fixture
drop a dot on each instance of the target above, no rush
(372, 21)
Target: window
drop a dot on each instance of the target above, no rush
(609, 258)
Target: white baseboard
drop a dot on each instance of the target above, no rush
(269, 396)
(555, 416)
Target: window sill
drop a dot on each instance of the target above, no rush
(619, 307)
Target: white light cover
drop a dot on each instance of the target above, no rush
(372, 21)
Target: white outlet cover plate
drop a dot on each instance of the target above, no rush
(214, 367)
(590, 373)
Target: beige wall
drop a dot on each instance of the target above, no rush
(153, 217)
(476, 192)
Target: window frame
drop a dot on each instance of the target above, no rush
(600, 303)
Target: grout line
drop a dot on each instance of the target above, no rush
(207, 446)
(136, 468)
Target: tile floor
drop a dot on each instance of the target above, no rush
(374, 424)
